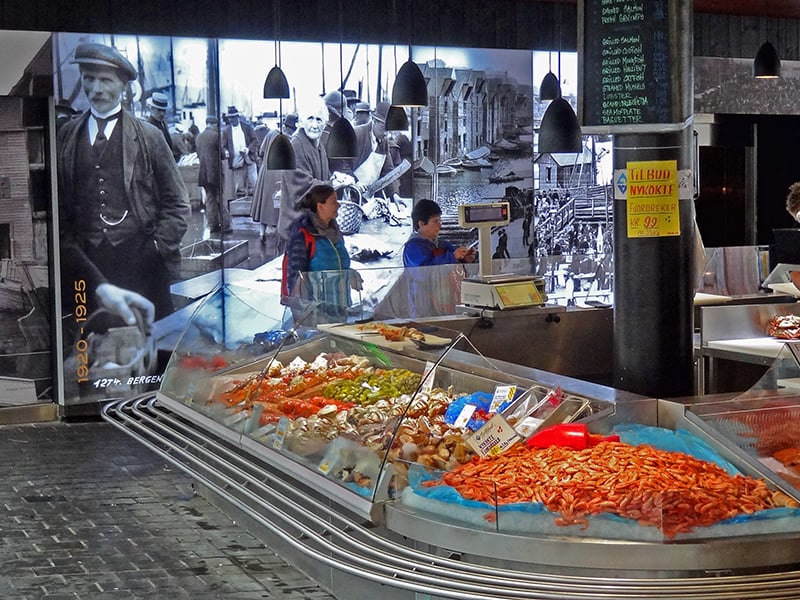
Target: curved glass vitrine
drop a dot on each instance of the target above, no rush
(354, 403)
(410, 414)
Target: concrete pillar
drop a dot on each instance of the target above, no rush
(653, 283)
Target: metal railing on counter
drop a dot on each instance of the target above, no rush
(292, 516)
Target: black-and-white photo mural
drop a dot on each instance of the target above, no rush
(129, 208)
(170, 184)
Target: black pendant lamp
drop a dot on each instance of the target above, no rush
(560, 131)
(396, 119)
(276, 85)
(281, 154)
(410, 88)
(549, 88)
(342, 141)
(766, 64)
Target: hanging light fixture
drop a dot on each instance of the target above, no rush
(396, 119)
(276, 85)
(767, 64)
(280, 156)
(549, 89)
(560, 130)
(342, 141)
(410, 88)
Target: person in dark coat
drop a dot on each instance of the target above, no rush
(209, 154)
(240, 148)
(265, 207)
(123, 207)
(289, 125)
(157, 105)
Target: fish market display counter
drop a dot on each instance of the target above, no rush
(397, 462)
(735, 346)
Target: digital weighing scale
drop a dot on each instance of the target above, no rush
(495, 291)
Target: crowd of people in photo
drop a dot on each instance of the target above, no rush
(550, 228)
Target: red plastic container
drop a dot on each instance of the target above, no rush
(568, 435)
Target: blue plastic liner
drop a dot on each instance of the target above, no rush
(679, 440)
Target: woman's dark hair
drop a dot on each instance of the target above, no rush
(423, 210)
(318, 194)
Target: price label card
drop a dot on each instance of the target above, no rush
(428, 376)
(653, 199)
(327, 462)
(493, 438)
(465, 415)
(325, 466)
(280, 433)
(528, 425)
(502, 393)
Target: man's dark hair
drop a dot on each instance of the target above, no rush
(793, 199)
(318, 194)
(423, 210)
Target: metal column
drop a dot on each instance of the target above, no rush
(654, 287)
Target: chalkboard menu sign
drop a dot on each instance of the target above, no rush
(630, 65)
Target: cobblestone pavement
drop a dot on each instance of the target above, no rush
(88, 512)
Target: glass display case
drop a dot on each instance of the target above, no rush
(356, 404)
(403, 413)
(762, 424)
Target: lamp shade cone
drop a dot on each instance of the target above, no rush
(410, 87)
(281, 154)
(276, 85)
(560, 130)
(766, 64)
(549, 89)
(396, 119)
(341, 140)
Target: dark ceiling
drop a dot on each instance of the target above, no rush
(726, 26)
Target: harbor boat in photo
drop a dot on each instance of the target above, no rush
(506, 146)
(479, 152)
(504, 177)
(446, 170)
(476, 164)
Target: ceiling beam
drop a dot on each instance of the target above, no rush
(787, 9)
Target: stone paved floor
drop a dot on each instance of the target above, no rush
(88, 512)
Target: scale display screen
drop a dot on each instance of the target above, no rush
(523, 293)
(491, 214)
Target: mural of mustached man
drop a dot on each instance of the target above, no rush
(123, 210)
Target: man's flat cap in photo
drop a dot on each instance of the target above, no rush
(103, 56)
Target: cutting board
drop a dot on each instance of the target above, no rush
(373, 337)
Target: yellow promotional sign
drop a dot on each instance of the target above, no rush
(653, 199)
